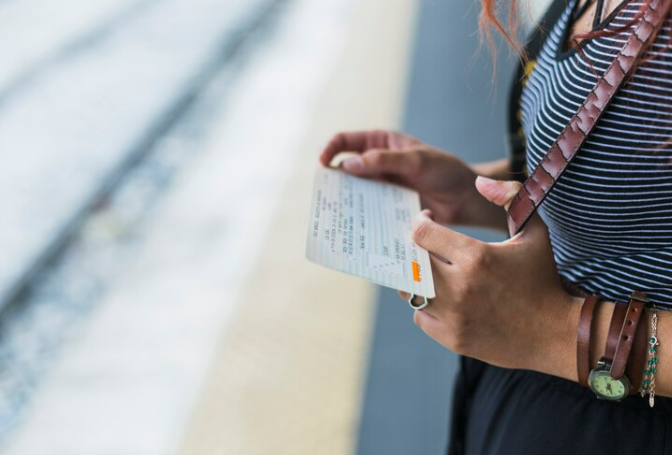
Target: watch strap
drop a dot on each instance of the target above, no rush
(636, 368)
(583, 338)
(617, 318)
(626, 338)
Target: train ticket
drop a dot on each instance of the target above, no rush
(363, 228)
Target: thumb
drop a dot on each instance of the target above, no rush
(381, 161)
(500, 192)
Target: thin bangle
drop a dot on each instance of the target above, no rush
(649, 383)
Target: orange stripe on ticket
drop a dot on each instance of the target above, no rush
(416, 271)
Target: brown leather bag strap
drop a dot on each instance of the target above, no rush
(564, 149)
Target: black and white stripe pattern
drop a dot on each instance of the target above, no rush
(610, 214)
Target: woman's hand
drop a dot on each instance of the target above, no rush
(502, 303)
(445, 183)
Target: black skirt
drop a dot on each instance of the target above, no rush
(515, 412)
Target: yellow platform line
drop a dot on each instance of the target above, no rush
(289, 372)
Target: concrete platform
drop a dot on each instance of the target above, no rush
(217, 336)
(289, 375)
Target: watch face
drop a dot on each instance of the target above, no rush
(607, 387)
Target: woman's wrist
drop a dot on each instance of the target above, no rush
(558, 354)
(552, 338)
(555, 352)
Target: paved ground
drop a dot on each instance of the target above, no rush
(449, 104)
(129, 372)
(84, 97)
(289, 373)
(218, 336)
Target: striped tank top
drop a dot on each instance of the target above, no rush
(610, 214)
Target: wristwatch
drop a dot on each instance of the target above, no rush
(606, 387)
(608, 380)
(600, 380)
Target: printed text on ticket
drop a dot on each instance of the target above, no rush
(363, 227)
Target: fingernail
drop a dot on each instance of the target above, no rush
(419, 219)
(428, 213)
(355, 164)
(485, 179)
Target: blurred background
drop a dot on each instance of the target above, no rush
(156, 161)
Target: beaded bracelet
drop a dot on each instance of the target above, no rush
(649, 383)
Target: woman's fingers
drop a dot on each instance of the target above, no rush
(429, 324)
(500, 192)
(443, 242)
(355, 141)
(379, 161)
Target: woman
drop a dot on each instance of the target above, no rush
(606, 227)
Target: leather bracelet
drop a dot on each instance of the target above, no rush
(627, 335)
(636, 365)
(617, 319)
(583, 337)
